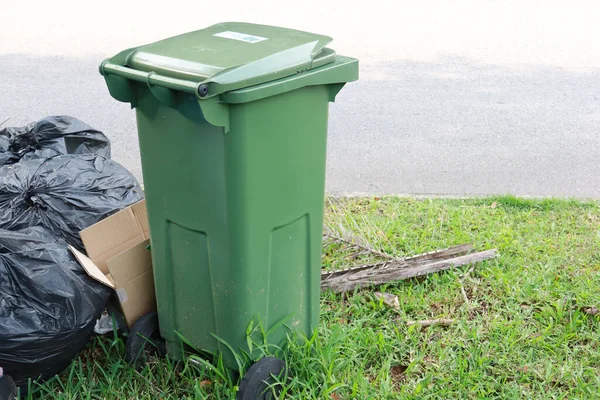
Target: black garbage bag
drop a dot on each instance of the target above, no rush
(6, 156)
(64, 194)
(49, 137)
(48, 304)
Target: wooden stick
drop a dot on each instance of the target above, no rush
(377, 274)
(413, 261)
(431, 322)
(453, 251)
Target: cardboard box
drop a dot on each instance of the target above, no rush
(118, 256)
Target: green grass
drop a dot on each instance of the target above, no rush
(526, 331)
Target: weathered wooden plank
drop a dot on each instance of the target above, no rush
(377, 274)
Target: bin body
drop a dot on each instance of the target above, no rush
(235, 210)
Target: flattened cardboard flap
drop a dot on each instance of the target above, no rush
(141, 215)
(92, 269)
(115, 234)
(131, 272)
(131, 263)
(118, 258)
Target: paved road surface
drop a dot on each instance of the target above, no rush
(465, 98)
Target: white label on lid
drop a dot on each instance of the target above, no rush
(240, 36)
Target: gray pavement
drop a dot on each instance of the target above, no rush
(466, 97)
(449, 127)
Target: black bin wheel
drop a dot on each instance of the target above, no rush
(144, 337)
(8, 388)
(255, 384)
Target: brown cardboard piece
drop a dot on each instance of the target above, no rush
(118, 257)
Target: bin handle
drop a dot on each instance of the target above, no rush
(275, 66)
(151, 78)
(214, 112)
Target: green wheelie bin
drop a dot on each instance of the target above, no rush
(232, 125)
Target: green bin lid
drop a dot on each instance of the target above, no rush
(233, 55)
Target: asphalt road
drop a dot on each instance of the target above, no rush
(485, 108)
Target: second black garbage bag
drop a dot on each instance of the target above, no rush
(48, 304)
(64, 194)
(49, 137)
